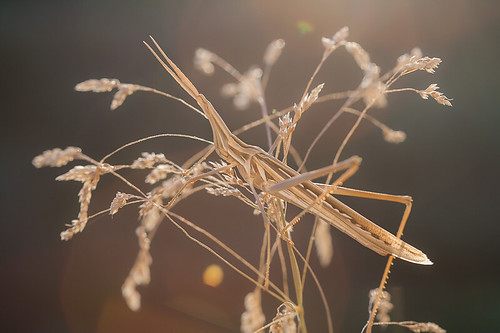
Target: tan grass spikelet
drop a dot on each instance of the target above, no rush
(284, 321)
(323, 242)
(431, 90)
(101, 85)
(385, 306)
(425, 63)
(140, 273)
(359, 54)
(338, 39)
(405, 59)
(299, 109)
(56, 157)
(160, 172)
(118, 202)
(107, 85)
(252, 318)
(273, 52)
(89, 175)
(203, 61)
(285, 125)
(124, 90)
(373, 89)
(130, 294)
(246, 90)
(393, 136)
(223, 191)
(148, 160)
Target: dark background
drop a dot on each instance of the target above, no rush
(449, 163)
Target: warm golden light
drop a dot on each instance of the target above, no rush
(213, 275)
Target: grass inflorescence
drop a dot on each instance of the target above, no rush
(261, 180)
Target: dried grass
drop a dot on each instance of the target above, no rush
(172, 182)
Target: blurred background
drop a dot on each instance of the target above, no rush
(449, 162)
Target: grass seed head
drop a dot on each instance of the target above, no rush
(56, 157)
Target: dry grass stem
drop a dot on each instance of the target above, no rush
(416, 327)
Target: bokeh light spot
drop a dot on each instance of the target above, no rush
(304, 27)
(213, 275)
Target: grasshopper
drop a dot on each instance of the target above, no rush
(266, 173)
